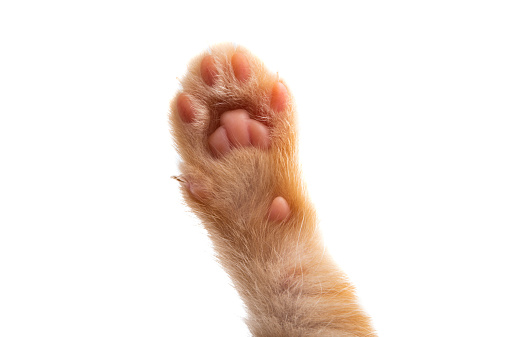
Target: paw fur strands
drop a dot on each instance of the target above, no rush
(279, 210)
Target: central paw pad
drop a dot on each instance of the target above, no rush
(238, 130)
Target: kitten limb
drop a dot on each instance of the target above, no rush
(287, 280)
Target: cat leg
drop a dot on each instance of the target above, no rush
(234, 128)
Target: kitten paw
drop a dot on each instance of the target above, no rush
(233, 126)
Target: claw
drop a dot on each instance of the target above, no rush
(179, 178)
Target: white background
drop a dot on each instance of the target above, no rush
(405, 111)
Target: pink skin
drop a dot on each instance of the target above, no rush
(279, 97)
(236, 128)
(279, 209)
(185, 109)
(208, 71)
(241, 66)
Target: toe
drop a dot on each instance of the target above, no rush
(240, 66)
(259, 134)
(219, 142)
(208, 70)
(236, 124)
(279, 97)
(279, 209)
(185, 109)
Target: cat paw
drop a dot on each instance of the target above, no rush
(233, 125)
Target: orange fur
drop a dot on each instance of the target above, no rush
(289, 284)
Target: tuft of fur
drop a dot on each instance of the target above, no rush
(289, 284)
